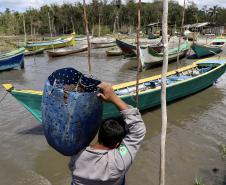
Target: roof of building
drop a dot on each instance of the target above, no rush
(197, 25)
(153, 24)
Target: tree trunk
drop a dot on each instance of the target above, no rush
(50, 29)
(25, 34)
(163, 91)
(181, 30)
(99, 26)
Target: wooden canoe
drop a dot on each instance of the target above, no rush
(180, 83)
(35, 52)
(67, 51)
(12, 59)
(205, 50)
(58, 43)
(151, 58)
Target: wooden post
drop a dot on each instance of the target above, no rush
(163, 92)
(99, 26)
(31, 27)
(25, 34)
(181, 30)
(138, 53)
(50, 29)
(87, 34)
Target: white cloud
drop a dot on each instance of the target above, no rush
(21, 5)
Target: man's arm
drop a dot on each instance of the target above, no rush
(109, 95)
(133, 121)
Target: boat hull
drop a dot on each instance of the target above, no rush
(31, 100)
(127, 49)
(35, 52)
(158, 61)
(174, 92)
(12, 61)
(204, 50)
(58, 53)
(51, 44)
(114, 52)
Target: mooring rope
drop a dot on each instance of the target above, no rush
(4, 96)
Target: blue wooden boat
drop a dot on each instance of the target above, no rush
(12, 59)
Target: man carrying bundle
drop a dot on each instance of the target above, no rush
(107, 161)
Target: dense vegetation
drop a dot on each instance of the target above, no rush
(69, 17)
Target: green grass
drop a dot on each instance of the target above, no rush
(223, 150)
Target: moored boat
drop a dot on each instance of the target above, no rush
(127, 48)
(219, 41)
(180, 83)
(151, 58)
(102, 42)
(115, 51)
(12, 59)
(205, 50)
(58, 43)
(35, 52)
(67, 51)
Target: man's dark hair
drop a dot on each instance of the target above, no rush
(111, 132)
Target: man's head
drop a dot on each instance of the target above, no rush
(111, 133)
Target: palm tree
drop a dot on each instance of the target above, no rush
(213, 13)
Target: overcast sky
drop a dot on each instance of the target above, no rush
(21, 5)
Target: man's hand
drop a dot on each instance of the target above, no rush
(108, 94)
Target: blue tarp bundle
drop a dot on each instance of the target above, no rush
(70, 124)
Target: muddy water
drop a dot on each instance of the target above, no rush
(196, 129)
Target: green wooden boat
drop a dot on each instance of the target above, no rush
(184, 46)
(205, 50)
(150, 57)
(53, 44)
(180, 83)
(34, 52)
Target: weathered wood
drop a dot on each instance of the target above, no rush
(138, 52)
(50, 29)
(25, 34)
(181, 31)
(163, 92)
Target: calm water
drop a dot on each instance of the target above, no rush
(196, 129)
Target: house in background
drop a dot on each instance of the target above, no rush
(205, 28)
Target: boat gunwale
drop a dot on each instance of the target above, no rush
(132, 83)
(19, 52)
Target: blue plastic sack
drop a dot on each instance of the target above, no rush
(70, 125)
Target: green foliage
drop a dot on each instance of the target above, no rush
(103, 30)
(198, 181)
(69, 17)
